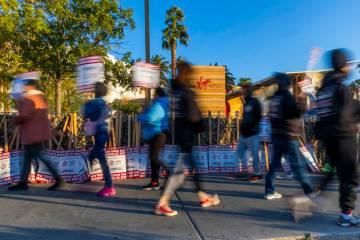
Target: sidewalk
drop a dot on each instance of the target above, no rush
(76, 213)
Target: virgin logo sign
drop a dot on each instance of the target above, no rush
(207, 83)
(203, 83)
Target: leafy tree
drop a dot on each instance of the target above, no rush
(175, 31)
(120, 72)
(164, 68)
(244, 80)
(10, 61)
(55, 34)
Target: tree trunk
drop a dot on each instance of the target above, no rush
(57, 98)
(2, 105)
(173, 60)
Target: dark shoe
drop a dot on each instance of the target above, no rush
(255, 178)
(58, 184)
(151, 186)
(21, 186)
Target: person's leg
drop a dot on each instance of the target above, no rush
(156, 146)
(241, 150)
(274, 165)
(176, 178)
(29, 155)
(348, 174)
(254, 148)
(99, 148)
(298, 165)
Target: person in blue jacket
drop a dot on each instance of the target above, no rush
(155, 127)
(97, 111)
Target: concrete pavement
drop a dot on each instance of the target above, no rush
(76, 213)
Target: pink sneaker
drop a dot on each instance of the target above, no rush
(106, 192)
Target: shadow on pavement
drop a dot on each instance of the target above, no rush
(24, 233)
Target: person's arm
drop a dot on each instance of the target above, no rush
(26, 110)
(192, 108)
(257, 111)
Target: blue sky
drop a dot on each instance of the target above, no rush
(252, 37)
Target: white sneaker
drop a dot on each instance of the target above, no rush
(274, 195)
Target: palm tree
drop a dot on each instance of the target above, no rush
(180, 59)
(229, 79)
(174, 31)
(164, 67)
(244, 80)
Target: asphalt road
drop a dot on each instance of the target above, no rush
(76, 213)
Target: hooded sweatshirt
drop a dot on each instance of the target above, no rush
(251, 117)
(337, 112)
(285, 114)
(155, 119)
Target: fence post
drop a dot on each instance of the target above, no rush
(75, 127)
(210, 128)
(172, 128)
(113, 137)
(237, 126)
(120, 127)
(129, 130)
(218, 129)
(70, 136)
(6, 147)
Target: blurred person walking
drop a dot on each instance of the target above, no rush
(97, 112)
(155, 128)
(188, 122)
(285, 113)
(336, 128)
(35, 128)
(249, 129)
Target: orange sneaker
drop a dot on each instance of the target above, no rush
(165, 210)
(210, 201)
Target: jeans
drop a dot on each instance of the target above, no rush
(33, 151)
(297, 163)
(156, 145)
(98, 152)
(342, 155)
(252, 144)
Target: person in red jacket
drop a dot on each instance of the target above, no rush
(34, 129)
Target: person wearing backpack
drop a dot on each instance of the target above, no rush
(155, 128)
(97, 112)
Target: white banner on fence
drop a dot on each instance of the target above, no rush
(200, 156)
(116, 159)
(132, 165)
